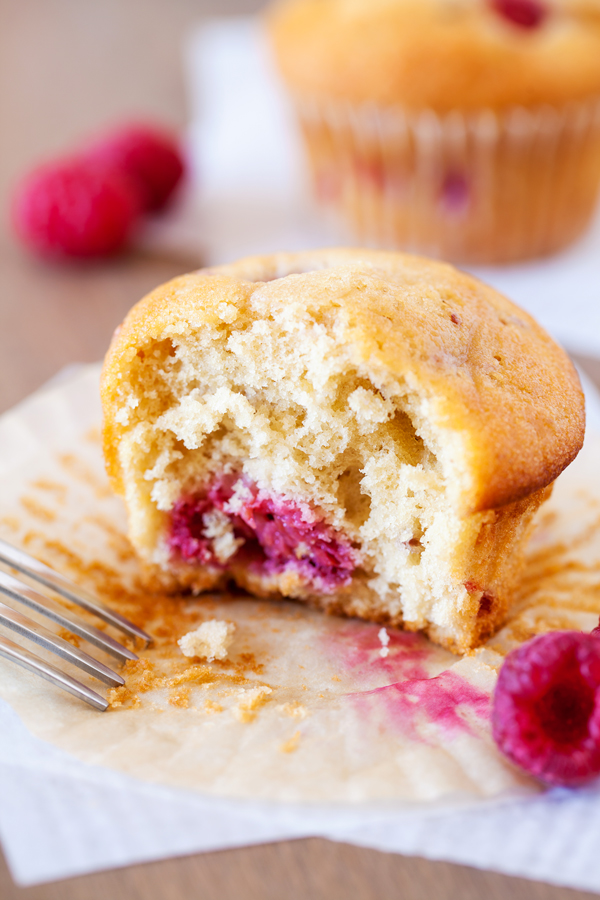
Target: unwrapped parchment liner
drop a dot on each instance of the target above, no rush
(478, 187)
(307, 710)
(307, 707)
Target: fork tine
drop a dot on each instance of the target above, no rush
(35, 569)
(28, 660)
(33, 631)
(22, 593)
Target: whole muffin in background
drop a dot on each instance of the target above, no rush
(365, 431)
(463, 129)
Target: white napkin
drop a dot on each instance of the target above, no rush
(60, 818)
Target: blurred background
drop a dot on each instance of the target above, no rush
(71, 69)
(67, 69)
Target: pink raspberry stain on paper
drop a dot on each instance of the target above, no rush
(354, 649)
(405, 692)
(359, 650)
(447, 702)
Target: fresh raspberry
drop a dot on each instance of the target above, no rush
(74, 209)
(546, 707)
(523, 13)
(147, 156)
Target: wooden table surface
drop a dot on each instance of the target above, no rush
(66, 68)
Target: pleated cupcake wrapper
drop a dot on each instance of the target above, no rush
(476, 187)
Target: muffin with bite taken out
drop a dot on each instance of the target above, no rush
(365, 431)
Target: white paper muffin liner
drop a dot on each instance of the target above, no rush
(478, 187)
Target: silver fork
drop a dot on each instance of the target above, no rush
(18, 591)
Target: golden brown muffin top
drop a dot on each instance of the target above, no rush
(486, 372)
(440, 54)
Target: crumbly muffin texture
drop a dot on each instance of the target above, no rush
(365, 431)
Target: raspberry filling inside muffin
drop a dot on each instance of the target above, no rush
(234, 522)
(455, 194)
(523, 13)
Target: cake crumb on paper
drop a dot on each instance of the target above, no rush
(210, 641)
(201, 675)
(294, 710)
(250, 700)
(384, 639)
(292, 744)
(181, 697)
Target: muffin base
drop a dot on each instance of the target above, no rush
(482, 187)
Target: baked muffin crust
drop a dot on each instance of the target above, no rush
(406, 416)
(437, 54)
(493, 375)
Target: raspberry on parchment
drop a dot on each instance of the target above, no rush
(546, 707)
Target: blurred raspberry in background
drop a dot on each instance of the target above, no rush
(87, 205)
(149, 157)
